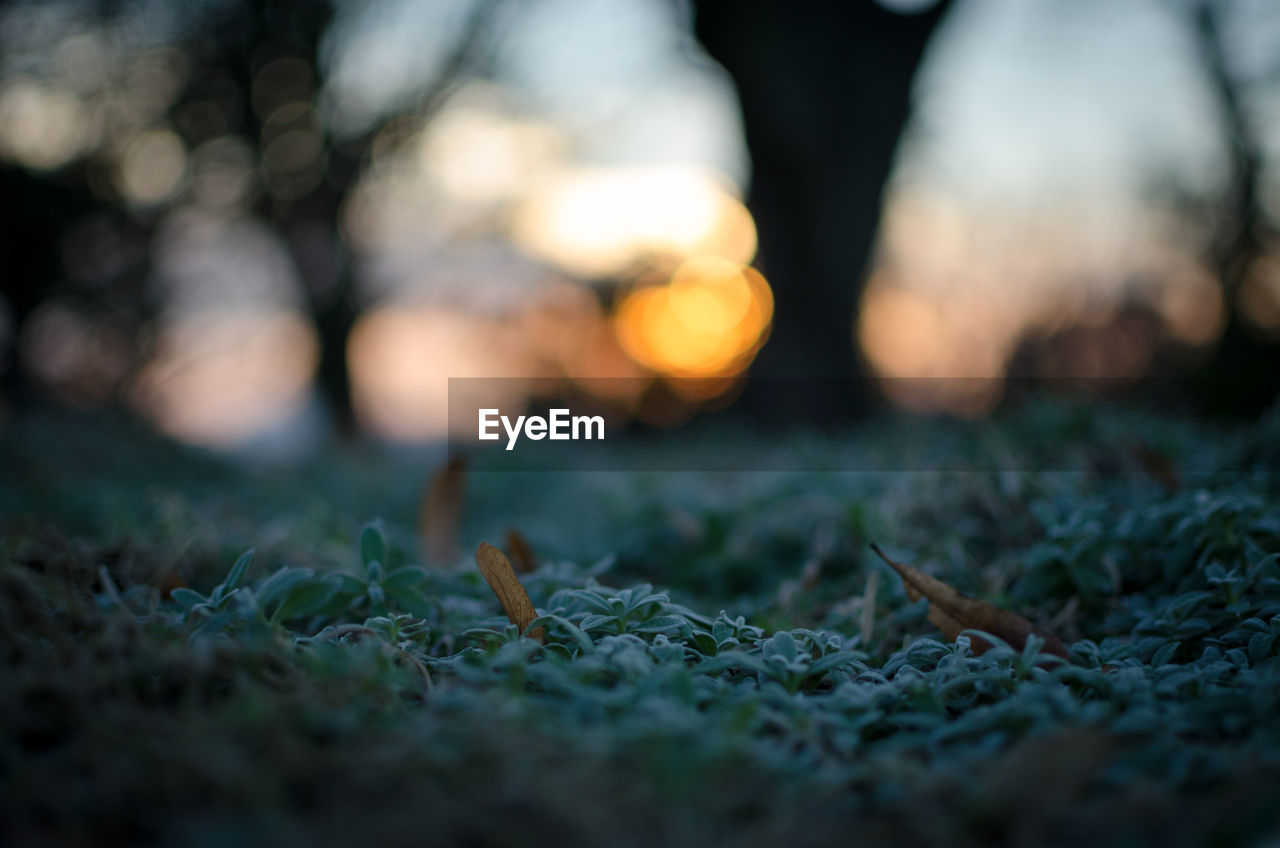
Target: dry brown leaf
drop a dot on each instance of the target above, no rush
(1156, 465)
(952, 612)
(811, 573)
(502, 579)
(441, 512)
(789, 589)
(521, 552)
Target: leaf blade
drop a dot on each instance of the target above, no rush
(501, 577)
(952, 613)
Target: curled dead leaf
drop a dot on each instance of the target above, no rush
(511, 593)
(953, 613)
(521, 552)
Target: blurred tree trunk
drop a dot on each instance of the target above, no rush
(231, 42)
(1243, 374)
(30, 227)
(310, 224)
(249, 36)
(825, 90)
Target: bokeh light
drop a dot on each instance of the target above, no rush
(707, 320)
(603, 222)
(151, 167)
(222, 172)
(79, 357)
(1260, 294)
(42, 127)
(219, 378)
(402, 357)
(474, 153)
(577, 215)
(969, 290)
(1189, 300)
(403, 354)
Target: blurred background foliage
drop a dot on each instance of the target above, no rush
(256, 223)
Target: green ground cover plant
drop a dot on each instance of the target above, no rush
(724, 660)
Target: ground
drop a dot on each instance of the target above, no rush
(720, 665)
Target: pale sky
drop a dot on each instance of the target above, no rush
(1018, 101)
(1027, 101)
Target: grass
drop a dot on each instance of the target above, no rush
(712, 671)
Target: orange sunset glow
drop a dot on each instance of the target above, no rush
(955, 293)
(706, 321)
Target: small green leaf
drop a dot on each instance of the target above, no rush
(781, 644)
(575, 632)
(339, 603)
(705, 644)
(214, 625)
(408, 575)
(660, 623)
(237, 571)
(735, 659)
(1164, 655)
(411, 599)
(592, 621)
(348, 584)
(832, 661)
(593, 600)
(280, 584)
(306, 599)
(187, 598)
(373, 543)
(1260, 646)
